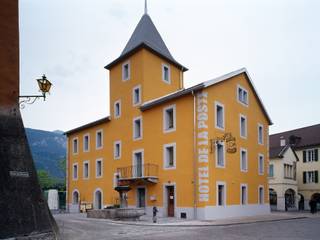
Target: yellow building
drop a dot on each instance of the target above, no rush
(200, 152)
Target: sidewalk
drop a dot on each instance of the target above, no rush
(174, 222)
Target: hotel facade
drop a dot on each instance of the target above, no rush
(195, 153)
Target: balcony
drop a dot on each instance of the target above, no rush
(144, 173)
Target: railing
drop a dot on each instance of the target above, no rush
(138, 171)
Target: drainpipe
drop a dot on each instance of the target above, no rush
(194, 159)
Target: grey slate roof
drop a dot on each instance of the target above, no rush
(298, 138)
(146, 35)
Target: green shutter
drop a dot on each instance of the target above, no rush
(304, 156)
(304, 177)
(316, 154)
(316, 176)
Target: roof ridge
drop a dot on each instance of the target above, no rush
(301, 128)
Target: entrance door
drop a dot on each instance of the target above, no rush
(141, 197)
(170, 195)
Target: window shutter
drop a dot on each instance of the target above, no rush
(316, 176)
(316, 155)
(304, 177)
(304, 156)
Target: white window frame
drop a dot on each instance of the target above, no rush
(134, 128)
(129, 71)
(75, 165)
(241, 167)
(83, 147)
(142, 158)
(262, 134)
(216, 104)
(238, 97)
(115, 150)
(99, 160)
(134, 95)
(165, 125)
(99, 131)
(224, 194)
(83, 169)
(241, 116)
(261, 197)
(246, 196)
(73, 150)
(165, 160)
(224, 155)
(163, 73)
(115, 114)
(260, 155)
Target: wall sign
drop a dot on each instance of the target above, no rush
(230, 141)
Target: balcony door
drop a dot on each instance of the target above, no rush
(138, 165)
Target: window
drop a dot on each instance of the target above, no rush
(261, 164)
(86, 143)
(260, 134)
(98, 168)
(169, 119)
(75, 171)
(219, 110)
(243, 95)
(243, 160)
(136, 95)
(137, 128)
(243, 126)
(310, 177)
(261, 195)
(85, 169)
(117, 150)
(288, 171)
(243, 194)
(166, 73)
(271, 170)
(75, 146)
(117, 109)
(169, 155)
(310, 155)
(126, 71)
(99, 136)
(221, 194)
(137, 170)
(220, 154)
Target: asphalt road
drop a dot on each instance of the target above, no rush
(95, 229)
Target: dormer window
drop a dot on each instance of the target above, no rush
(166, 73)
(126, 71)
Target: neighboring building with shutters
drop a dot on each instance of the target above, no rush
(198, 152)
(306, 144)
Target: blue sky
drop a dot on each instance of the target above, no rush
(71, 41)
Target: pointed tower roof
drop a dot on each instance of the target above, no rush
(147, 36)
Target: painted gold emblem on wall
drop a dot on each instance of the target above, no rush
(230, 141)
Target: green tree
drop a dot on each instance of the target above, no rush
(46, 182)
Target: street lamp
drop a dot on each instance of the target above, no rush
(44, 87)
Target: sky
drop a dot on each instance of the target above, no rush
(72, 40)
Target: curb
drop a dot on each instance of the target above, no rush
(201, 225)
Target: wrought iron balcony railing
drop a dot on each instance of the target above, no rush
(138, 171)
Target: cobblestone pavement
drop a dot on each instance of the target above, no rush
(74, 226)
